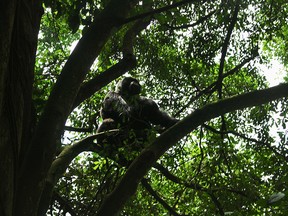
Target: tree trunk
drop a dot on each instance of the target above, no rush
(18, 35)
(27, 154)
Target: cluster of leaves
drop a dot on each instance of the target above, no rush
(231, 164)
(54, 47)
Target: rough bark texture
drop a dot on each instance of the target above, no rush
(6, 150)
(26, 154)
(59, 166)
(40, 154)
(18, 35)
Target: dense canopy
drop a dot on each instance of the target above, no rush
(206, 63)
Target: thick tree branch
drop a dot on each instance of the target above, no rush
(59, 166)
(141, 165)
(130, 35)
(127, 63)
(61, 163)
(43, 146)
(92, 86)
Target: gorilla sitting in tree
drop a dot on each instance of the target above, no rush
(128, 119)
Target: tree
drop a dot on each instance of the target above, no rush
(197, 58)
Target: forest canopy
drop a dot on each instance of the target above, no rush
(201, 61)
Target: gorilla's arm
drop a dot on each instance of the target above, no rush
(153, 114)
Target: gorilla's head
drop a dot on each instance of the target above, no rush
(128, 86)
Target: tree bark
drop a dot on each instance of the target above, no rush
(58, 168)
(7, 12)
(48, 132)
(19, 28)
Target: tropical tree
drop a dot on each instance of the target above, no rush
(199, 59)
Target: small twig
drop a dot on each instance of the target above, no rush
(199, 21)
(85, 130)
(225, 48)
(213, 87)
(148, 187)
(249, 139)
(159, 10)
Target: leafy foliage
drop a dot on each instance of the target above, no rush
(229, 165)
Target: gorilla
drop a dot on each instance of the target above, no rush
(128, 118)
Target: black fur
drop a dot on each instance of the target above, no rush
(129, 116)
